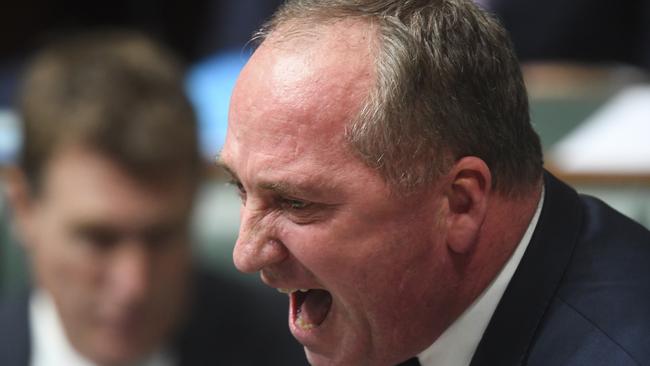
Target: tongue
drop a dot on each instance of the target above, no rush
(315, 307)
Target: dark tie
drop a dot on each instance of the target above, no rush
(410, 362)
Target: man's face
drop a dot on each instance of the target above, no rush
(111, 251)
(315, 217)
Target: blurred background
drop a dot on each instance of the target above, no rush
(586, 64)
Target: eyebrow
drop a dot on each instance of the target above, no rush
(224, 166)
(281, 188)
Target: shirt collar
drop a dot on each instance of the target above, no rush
(50, 346)
(457, 344)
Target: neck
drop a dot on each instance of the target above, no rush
(500, 234)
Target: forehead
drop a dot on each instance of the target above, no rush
(85, 182)
(298, 91)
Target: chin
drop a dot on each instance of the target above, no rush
(122, 351)
(317, 359)
(112, 357)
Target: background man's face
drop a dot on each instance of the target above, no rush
(111, 251)
(315, 217)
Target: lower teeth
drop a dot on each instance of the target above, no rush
(302, 324)
(312, 307)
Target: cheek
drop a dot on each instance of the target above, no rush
(316, 248)
(171, 268)
(371, 264)
(61, 265)
(68, 275)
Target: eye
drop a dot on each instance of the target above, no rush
(241, 192)
(294, 204)
(96, 237)
(163, 236)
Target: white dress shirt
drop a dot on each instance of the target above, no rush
(457, 344)
(50, 346)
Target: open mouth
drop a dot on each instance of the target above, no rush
(309, 307)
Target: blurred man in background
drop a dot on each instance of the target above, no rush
(102, 200)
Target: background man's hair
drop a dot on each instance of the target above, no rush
(115, 92)
(448, 85)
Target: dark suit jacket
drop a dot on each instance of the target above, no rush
(581, 293)
(229, 324)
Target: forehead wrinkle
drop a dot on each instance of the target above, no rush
(281, 187)
(312, 186)
(241, 146)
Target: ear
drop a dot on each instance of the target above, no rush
(21, 200)
(468, 190)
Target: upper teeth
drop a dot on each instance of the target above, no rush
(292, 290)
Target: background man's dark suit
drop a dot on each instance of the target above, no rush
(581, 294)
(229, 325)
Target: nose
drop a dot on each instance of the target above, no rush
(130, 274)
(256, 248)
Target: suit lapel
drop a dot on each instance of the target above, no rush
(14, 332)
(511, 330)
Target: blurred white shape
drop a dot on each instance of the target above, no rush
(10, 137)
(615, 139)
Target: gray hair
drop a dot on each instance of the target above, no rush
(448, 86)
